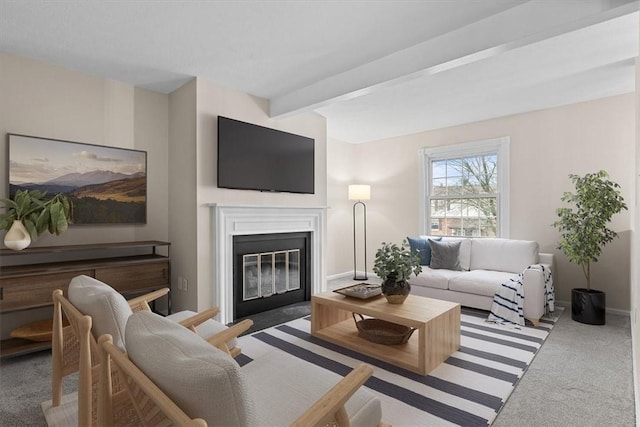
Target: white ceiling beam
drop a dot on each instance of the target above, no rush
(511, 29)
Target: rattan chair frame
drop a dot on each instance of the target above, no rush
(74, 349)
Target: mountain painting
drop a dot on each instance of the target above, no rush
(106, 185)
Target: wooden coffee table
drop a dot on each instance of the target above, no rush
(436, 338)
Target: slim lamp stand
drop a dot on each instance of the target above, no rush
(355, 271)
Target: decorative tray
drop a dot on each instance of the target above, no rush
(360, 290)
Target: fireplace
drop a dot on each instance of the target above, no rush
(230, 221)
(270, 271)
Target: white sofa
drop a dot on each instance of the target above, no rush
(485, 264)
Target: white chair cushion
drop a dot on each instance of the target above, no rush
(108, 309)
(202, 380)
(206, 329)
(299, 384)
(503, 254)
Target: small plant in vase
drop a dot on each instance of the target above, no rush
(30, 213)
(394, 265)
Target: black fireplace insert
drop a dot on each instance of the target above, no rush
(270, 271)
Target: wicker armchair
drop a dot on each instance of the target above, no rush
(161, 384)
(74, 349)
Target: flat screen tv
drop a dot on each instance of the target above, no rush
(252, 157)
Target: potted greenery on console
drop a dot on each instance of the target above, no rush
(394, 265)
(30, 214)
(584, 232)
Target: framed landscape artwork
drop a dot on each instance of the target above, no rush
(106, 185)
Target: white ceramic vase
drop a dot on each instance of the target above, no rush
(17, 238)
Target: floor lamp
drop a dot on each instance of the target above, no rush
(360, 193)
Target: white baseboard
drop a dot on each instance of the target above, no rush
(350, 274)
(340, 275)
(608, 309)
(619, 312)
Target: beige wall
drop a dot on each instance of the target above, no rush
(198, 141)
(43, 100)
(178, 131)
(182, 193)
(46, 101)
(545, 147)
(342, 171)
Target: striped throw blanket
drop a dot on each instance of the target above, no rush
(509, 299)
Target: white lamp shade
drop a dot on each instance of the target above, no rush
(359, 192)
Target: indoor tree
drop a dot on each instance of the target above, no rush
(584, 224)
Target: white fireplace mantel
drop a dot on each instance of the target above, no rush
(234, 220)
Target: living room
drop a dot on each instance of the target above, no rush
(178, 130)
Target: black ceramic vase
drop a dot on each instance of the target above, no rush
(395, 292)
(588, 306)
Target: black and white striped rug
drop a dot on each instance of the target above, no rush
(468, 389)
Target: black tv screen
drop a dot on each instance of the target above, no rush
(252, 157)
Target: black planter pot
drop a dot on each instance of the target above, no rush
(588, 306)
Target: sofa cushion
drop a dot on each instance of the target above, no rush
(202, 380)
(479, 282)
(302, 384)
(108, 309)
(444, 255)
(431, 278)
(465, 248)
(421, 247)
(503, 254)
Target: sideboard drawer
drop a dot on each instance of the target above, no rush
(135, 277)
(33, 291)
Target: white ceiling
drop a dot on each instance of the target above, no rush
(375, 69)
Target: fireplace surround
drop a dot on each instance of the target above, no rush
(236, 220)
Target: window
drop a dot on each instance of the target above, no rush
(465, 189)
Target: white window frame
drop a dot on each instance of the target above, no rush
(498, 146)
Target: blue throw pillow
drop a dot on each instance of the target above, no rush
(422, 248)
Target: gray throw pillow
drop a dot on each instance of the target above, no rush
(444, 255)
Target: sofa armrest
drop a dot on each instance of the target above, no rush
(546, 260)
(533, 284)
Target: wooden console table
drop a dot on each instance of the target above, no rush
(132, 268)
